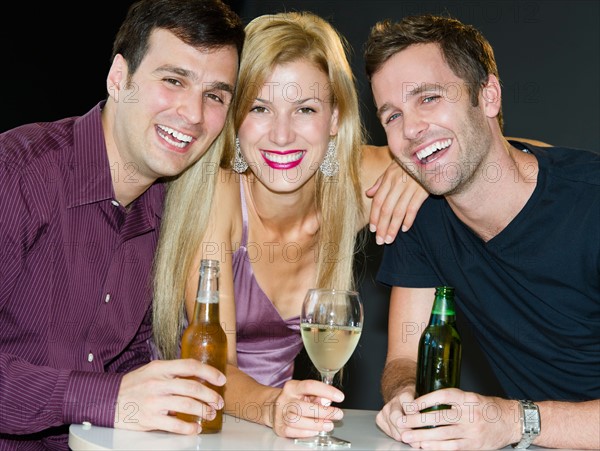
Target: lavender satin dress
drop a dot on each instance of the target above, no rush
(266, 343)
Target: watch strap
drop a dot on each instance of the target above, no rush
(530, 423)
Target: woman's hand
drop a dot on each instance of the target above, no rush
(396, 199)
(303, 409)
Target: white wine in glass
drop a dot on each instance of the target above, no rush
(330, 323)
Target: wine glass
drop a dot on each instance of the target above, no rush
(330, 323)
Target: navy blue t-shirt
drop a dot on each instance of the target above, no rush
(531, 293)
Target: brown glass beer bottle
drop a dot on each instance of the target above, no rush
(204, 339)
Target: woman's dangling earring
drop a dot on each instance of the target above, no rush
(239, 163)
(330, 166)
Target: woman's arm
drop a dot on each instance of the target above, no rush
(391, 196)
(223, 231)
(291, 411)
(534, 142)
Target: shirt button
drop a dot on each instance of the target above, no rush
(90, 357)
(107, 298)
(114, 202)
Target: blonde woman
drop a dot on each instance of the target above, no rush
(283, 220)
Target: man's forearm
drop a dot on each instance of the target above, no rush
(398, 375)
(569, 425)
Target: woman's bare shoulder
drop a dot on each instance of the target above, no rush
(225, 213)
(227, 188)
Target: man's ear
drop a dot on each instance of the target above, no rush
(117, 75)
(492, 96)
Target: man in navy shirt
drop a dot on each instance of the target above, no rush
(80, 211)
(514, 228)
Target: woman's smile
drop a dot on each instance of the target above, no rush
(283, 160)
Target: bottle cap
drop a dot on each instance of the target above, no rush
(444, 290)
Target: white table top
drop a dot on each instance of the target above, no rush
(358, 426)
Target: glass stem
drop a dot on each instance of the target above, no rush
(327, 377)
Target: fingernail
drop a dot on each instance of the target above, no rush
(338, 397)
(328, 427)
(325, 402)
(379, 240)
(222, 379)
(372, 228)
(220, 403)
(199, 428)
(404, 228)
(389, 239)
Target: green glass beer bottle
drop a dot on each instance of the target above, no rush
(204, 339)
(438, 361)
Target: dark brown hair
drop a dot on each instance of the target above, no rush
(466, 51)
(204, 24)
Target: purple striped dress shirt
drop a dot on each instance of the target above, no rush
(74, 280)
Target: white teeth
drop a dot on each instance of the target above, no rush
(182, 139)
(283, 159)
(424, 153)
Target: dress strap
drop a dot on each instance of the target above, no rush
(244, 242)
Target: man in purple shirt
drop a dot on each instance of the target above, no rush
(80, 208)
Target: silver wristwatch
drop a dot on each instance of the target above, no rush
(530, 423)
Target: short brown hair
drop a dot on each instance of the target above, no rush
(204, 24)
(466, 51)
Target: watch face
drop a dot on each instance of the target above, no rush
(531, 419)
(531, 416)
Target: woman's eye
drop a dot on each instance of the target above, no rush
(258, 109)
(307, 110)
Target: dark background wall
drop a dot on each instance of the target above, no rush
(547, 54)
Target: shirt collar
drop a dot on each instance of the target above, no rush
(90, 171)
(89, 167)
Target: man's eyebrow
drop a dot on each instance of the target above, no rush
(177, 70)
(420, 89)
(425, 87)
(382, 109)
(216, 85)
(221, 86)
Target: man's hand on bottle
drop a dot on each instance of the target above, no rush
(472, 422)
(149, 396)
(392, 418)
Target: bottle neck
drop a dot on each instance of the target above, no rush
(207, 299)
(206, 312)
(443, 311)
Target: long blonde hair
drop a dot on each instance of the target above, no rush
(185, 218)
(277, 39)
(271, 40)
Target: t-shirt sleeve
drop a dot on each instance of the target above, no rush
(405, 263)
